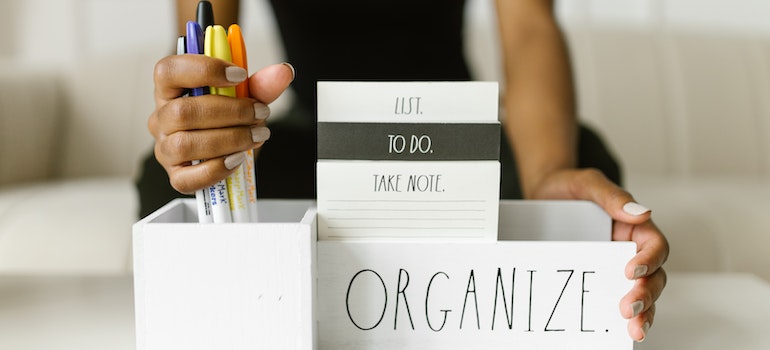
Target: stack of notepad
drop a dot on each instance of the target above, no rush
(408, 160)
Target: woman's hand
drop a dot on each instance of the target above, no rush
(215, 128)
(631, 222)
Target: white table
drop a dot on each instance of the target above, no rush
(712, 311)
(697, 311)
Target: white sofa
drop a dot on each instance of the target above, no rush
(683, 108)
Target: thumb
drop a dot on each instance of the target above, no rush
(592, 185)
(270, 82)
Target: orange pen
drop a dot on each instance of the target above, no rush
(238, 55)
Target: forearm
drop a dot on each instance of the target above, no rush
(225, 12)
(540, 118)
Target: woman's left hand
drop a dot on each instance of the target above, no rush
(631, 222)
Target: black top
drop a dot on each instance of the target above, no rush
(357, 40)
(396, 40)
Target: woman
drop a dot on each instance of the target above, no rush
(395, 40)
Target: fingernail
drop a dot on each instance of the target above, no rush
(261, 111)
(234, 160)
(645, 329)
(293, 71)
(640, 271)
(260, 134)
(635, 209)
(637, 307)
(235, 74)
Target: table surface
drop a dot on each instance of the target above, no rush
(697, 311)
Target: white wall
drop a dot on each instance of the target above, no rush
(693, 70)
(74, 29)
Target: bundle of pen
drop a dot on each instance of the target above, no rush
(235, 198)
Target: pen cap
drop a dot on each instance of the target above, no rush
(195, 46)
(205, 14)
(180, 45)
(238, 53)
(215, 45)
(194, 38)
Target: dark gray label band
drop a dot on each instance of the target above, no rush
(407, 141)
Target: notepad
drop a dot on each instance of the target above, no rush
(408, 160)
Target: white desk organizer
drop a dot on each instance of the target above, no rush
(225, 286)
(253, 286)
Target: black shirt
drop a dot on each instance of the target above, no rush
(358, 40)
(398, 40)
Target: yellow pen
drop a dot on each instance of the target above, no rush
(216, 45)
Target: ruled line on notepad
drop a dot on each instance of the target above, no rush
(411, 200)
(407, 210)
(408, 219)
(401, 228)
(456, 217)
(411, 236)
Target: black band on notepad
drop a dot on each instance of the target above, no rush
(408, 141)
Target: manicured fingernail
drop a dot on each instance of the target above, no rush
(645, 329)
(260, 134)
(234, 160)
(640, 271)
(235, 74)
(635, 209)
(261, 111)
(293, 71)
(637, 307)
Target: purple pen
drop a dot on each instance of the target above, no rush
(195, 46)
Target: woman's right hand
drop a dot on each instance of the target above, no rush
(218, 129)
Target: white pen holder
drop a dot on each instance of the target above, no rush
(270, 285)
(225, 286)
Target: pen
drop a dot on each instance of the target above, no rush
(238, 52)
(204, 14)
(180, 46)
(215, 45)
(194, 45)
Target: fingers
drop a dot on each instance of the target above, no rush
(180, 148)
(175, 73)
(208, 112)
(188, 179)
(619, 204)
(646, 268)
(205, 127)
(591, 184)
(638, 306)
(652, 247)
(639, 326)
(214, 128)
(631, 222)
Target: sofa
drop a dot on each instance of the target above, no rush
(683, 108)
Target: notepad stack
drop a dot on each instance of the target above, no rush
(408, 161)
